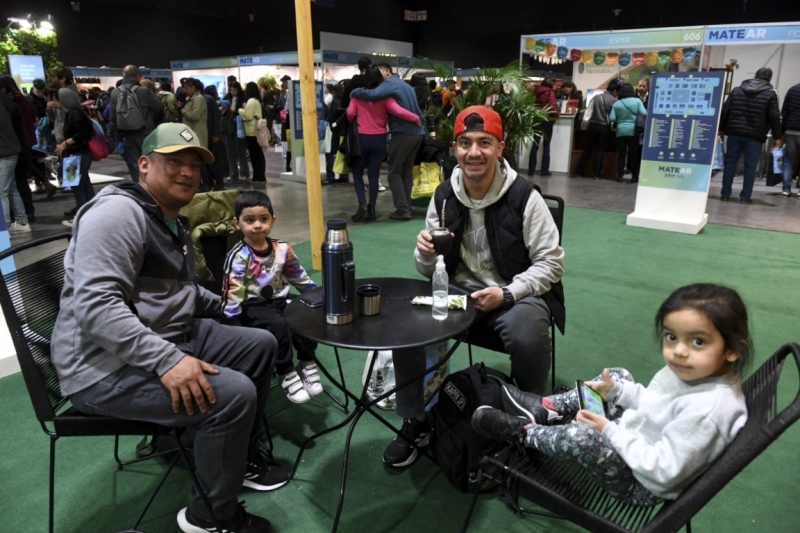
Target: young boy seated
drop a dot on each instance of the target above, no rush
(258, 275)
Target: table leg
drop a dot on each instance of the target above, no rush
(362, 405)
(343, 384)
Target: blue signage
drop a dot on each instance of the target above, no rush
(619, 39)
(755, 33)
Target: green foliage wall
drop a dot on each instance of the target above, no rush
(29, 43)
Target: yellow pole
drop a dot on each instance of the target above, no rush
(305, 53)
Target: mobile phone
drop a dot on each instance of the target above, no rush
(590, 399)
(312, 298)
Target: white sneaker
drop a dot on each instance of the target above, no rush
(16, 228)
(381, 188)
(785, 194)
(67, 222)
(292, 385)
(310, 376)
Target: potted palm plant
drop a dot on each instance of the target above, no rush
(522, 118)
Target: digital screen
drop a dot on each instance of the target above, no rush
(590, 400)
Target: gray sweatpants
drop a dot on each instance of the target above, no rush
(525, 332)
(224, 436)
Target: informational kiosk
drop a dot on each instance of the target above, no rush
(297, 131)
(681, 131)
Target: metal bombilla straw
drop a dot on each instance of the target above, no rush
(441, 217)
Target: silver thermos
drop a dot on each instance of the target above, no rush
(338, 273)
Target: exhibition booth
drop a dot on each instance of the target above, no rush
(105, 77)
(597, 58)
(211, 71)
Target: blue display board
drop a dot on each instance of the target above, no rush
(681, 130)
(297, 109)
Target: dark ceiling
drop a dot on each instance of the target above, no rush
(469, 32)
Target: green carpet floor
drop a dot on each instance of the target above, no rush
(616, 276)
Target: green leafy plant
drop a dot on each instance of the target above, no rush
(516, 105)
(268, 82)
(29, 43)
(733, 63)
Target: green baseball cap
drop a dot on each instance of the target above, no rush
(172, 137)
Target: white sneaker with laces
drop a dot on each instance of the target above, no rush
(292, 385)
(381, 188)
(16, 228)
(310, 376)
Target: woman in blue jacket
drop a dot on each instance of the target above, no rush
(623, 117)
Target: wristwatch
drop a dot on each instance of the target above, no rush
(508, 300)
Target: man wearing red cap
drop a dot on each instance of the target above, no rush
(505, 254)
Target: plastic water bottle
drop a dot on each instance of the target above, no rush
(440, 286)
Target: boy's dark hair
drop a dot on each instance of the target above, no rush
(252, 199)
(723, 307)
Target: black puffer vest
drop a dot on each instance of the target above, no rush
(503, 221)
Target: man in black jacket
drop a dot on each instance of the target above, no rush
(747, 115)
(791, 136)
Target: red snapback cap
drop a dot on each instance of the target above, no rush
(492, 123)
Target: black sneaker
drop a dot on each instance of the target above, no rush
(527, 405)
(400, 215)
(497, 425)
(403, 450)
(265, 475)
(241, 522)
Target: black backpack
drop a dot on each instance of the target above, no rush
(456, 448)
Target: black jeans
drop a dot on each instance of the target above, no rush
(596, 139)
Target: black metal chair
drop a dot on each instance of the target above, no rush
(486, 338)
(29, 296)
(564, 490)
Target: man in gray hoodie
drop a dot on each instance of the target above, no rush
(505, 254)
(129, 341)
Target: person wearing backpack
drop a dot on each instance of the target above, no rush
(135, 112)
